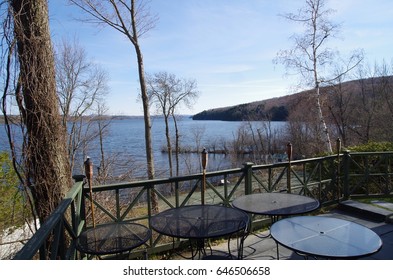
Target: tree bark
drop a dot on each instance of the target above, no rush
(147, 120)
(47, 167)
(324, 129)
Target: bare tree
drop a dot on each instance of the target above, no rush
(47, 172)
(303, 128)
(385, 72)
(371, 110)
(168, 93)
(81, 85)
(197, 134)
(133, 20)
(186, 95)
(339, 109)
(310, 56)
(342, 108)
(381, 87)
(159, 89)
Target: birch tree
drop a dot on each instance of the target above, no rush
(311, 56)
(132, 19)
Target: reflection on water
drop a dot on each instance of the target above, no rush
(124, 145)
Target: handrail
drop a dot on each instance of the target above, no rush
(54, 223)
(329, 179)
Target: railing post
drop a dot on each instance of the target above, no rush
(78, 207)
(248, 177)
(89, 176)
(78, 178)
(338, 147)
(289, 154)
(346, 166)
(203, 186)
(81, 214)
(388, 175)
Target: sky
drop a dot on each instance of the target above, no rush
(227, 46)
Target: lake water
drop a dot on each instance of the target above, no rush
(125, 143)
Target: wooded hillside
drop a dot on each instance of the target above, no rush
(281, 108)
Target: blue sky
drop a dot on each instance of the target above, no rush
(228, 46)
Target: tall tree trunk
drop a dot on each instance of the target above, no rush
(47, 164)
(132, 20)
(147, 122)
(323, 129)
(168, 144)
(145, 105)
(177, 144)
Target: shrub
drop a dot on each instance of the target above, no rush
(373, 147)
(11, 196)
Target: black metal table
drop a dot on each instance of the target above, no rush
(200, 222)
(276, 204)
(113, 238)
(325, 237)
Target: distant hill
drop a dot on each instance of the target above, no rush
(276, 109)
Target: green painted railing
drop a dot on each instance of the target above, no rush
(55, 239)
(328, 179)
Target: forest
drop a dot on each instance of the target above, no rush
(357, 111)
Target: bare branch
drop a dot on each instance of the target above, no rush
(132, 19)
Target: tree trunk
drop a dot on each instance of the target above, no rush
(48, 173)
(324, 129)
(168, 144)
(147, 121)
(177, 145)
(132, 20)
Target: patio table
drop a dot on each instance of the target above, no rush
(276, 205)
(112, 238)
(200, 222)
(325, 237)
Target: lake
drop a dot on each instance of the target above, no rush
(125, 144)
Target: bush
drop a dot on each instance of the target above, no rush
(11, 197)
(373, 147)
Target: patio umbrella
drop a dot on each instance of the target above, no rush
(89, 176)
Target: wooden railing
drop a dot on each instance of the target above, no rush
(55, 239)
(328, 179)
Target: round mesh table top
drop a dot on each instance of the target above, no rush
(199, 221)
(276, 204)
(113, 238)
(326, 237)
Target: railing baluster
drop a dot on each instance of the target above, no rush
(177, 194)
(117, 201)
(316, 176)
(346, 165)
